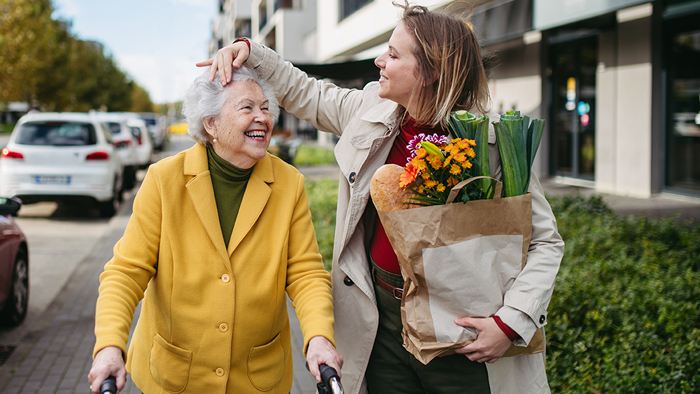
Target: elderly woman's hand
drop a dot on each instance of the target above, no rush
(491, 343)
(233, 55)
(321, 351)
(108, 361)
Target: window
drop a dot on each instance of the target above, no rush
(262, 12)
(57, 134)
(287, 4)
(683, 105)
(347, 7)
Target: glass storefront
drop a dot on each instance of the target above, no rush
(572, 116)
(682, 48)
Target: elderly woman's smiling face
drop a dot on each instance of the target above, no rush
(244, 127)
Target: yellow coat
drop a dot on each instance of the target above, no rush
(214, 320)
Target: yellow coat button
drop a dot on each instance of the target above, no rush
(223, 327)
(219, 372)
(225, 278)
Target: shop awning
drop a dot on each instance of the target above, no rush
(356, 69)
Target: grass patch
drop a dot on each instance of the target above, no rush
(6, 128)
(313, 155)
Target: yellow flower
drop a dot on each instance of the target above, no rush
(451, 181)
(470, 152)
(434, 161)
(460, 158)
(421, 153)
(455, 170)
(430, 183)
(467, 164)
(421, 164)
(446, 163)
(425, 175)
(440, 187)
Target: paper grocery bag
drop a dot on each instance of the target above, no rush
(458, 260)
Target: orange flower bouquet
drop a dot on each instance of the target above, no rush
(437, 165)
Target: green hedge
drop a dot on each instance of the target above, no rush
(311, 155)
(625, 313)
(323, 198)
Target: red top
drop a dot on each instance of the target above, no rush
(380, 248)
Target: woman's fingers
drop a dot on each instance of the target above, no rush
(205, 63)
(321, 351)
(490, 344)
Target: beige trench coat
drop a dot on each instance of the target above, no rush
(365, 123)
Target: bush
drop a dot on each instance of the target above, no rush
(625, 313)
(311, 155)
(323, 199)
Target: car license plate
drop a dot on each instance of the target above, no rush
(52, 179)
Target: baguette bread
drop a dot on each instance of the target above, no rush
(386, 193)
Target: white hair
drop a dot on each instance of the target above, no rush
(205, 98)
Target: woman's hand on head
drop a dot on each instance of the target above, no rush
(227, 58)
(490, 344)
(108, 361)
(322, 351)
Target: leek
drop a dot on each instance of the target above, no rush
(465, 125)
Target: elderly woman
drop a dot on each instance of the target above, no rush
(219, 235)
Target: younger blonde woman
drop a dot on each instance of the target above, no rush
(431, 67)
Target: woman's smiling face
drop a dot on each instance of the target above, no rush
(244, 127)
(398, 74)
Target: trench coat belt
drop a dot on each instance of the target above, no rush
(396, 291)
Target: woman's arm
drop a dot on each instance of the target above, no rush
(308, 283)
(526, 302)
(324, 105)
(126, 275)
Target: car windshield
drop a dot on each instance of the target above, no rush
(57, 133)
(114, 127)
(150, 121)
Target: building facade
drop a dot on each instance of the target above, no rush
(618, 81)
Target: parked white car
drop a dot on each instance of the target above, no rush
(157, 127)
(144, 144)
(125, 143)
(62, 157)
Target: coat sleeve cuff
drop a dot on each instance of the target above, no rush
(319, 333)
(519, 322)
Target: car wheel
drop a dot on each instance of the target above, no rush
(109, 208)
(18, 300)
(129, 177)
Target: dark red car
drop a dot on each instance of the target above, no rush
(14, 266)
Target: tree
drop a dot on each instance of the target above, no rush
(44, 64)
(27, 43)
(140, 100)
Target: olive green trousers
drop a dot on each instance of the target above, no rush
(392, 369)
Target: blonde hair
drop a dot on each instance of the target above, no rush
(451, 74)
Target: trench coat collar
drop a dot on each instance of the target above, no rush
(382, 112)
(202, 195)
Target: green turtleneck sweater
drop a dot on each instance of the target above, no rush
(229, 184)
